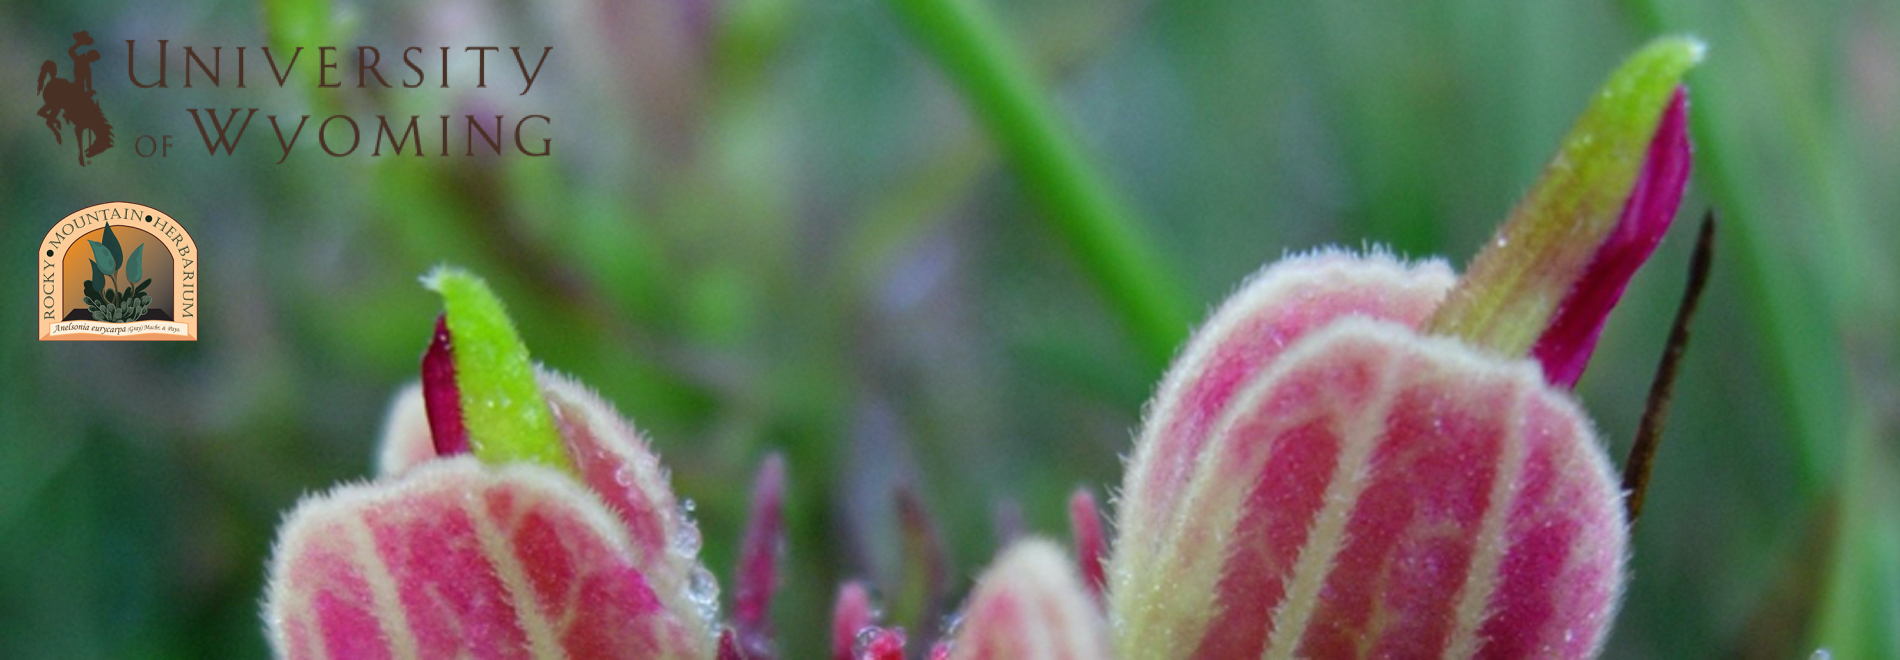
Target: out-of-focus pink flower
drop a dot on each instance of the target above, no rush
(1030, 604)
(850, 616)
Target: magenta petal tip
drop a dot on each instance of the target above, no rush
(1085, 523)
(758, 561)
(850, 616)
(441, 395)
(1565, 346)
(729, 646)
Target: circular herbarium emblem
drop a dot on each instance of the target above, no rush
(118, 272)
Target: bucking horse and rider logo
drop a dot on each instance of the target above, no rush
(72, 100)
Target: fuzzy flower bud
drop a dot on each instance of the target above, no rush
(557, 538)
(1030, 605)
(1361, 457)
(1367, 489)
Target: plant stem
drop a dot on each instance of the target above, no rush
(967, 43)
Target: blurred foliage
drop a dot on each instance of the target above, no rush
(776, 226)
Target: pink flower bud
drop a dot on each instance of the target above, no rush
(1277, 306)
(1318, 479)
(1031, 605)
(461, 559)
(614, 515)
(850, 616)
(616, 464)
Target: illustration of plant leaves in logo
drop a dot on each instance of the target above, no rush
(134, 266)
(117, 304)
(102, 259)
(92, 285)
(111, 241)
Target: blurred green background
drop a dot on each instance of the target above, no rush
(780, 226)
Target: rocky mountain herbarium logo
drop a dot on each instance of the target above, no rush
(118, 271)
(74, 102)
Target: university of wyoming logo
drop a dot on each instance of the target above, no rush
(73, 101)
(118, 271)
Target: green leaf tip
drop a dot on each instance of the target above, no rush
(507, 418)
(135, 265)
(111, 242)
(1515, 285)
(103, 260)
